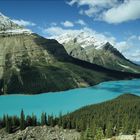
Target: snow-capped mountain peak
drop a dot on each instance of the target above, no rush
(7, 26)
(85, 39)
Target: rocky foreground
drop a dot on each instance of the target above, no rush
(53, 133)
(125, 137)
(41, 133)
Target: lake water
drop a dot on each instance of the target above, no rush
(66, 101)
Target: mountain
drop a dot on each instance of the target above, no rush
(32, 64)
(85, 46)
(114, 117)
(7, 26)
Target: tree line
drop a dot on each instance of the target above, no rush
(121, 115)
(14, 123)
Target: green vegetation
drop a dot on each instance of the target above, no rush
(43, 119)
(121, 115)
(22, 121)
(95, 122)
(31, 64)
(8, 124)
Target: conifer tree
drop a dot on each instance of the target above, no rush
(4, 121)
(51, 121)
(22, 120)
(8, 124)
(15, 121)
(29, 121)
(109, 131)
(34, 120)
(60, 119)
(43, 119)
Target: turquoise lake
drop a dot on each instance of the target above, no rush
(66, 101)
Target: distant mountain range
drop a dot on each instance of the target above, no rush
(85, 46)
(31, 64)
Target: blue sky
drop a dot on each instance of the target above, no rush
(117, 20)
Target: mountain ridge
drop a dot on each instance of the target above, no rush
(32, 64)
(86, 47)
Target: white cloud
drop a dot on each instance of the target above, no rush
(55, 31)
(111, 11)
(132, 37)
(94, 6)
(72, 2)
(129, 10)
(93, 2)
(67, 24)
(130, 47)
(23, 22)
(70, 23)
(81, 22)
(122, 46)
(134, 56)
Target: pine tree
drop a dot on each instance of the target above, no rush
(43, 119)
(109, 130)
(34, 120)
(22, 120)
(29, 121)
(134, 127)
(8, 124)
(15, 121)
(4, 121)
(64, 123)
(126, 126)
(1, 123)
(60, 119)
(51, 120)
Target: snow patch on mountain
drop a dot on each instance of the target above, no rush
(16, 31)
(7, 26)
(85, 39)
(127, 67)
